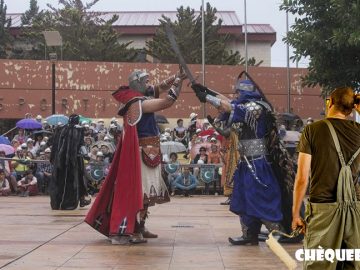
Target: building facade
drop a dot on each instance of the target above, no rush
(140, 26)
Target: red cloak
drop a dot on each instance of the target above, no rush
(121, 198)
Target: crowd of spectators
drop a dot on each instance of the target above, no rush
(29, 171)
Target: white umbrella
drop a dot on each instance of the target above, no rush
(172, 147)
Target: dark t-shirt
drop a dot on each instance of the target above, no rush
(317, 141)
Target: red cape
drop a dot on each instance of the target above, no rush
(120, 198)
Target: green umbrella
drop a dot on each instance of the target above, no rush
(86, 119)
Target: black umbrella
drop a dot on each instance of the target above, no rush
(160, 119)
(42, 131)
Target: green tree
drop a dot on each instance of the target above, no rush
(5, 36)
(328, 33)
(86, 36)
(31, 43)
(31, 13)
(187, 30)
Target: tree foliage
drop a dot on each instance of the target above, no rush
(328, 33)
(5, 37)
(187, 30)
(86, 35)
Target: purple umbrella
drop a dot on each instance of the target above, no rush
(4, 140)
(28, 123)
(8, 149)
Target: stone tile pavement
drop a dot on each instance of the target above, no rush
(192, 232)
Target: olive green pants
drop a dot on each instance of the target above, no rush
(332, 226)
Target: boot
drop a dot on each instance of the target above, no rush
(145, 233)
(137, 238)
(227, 202)
(244, 241)
(84, 202)
(249, 236)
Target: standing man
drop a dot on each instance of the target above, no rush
(256, 196)
(332, 215)
(134, 181)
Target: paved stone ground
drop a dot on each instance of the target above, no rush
(192, 232)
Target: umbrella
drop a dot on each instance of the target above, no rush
(172, 147)
(207, 132)
(160, 119)
(85, 119)
(108, 144)
(42, 131)
(57, 118)
(28, 123)
(4, 140)
(8, 149)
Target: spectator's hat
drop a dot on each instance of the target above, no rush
(206, 121)
(113, 119)
(213, 139)
(48, 150)
(99, 154)
(42, 153)
(106, 138)
(29, 140)
(193, 115)
(42, 143)
(23, 146)
(167, 134)
(198, 130)
(44, 122)
(19, 148)
(86, 125)
(100, 121)
(38, 117)
(83, 123)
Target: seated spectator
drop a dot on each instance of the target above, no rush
(172, 168)
(28, 185)
(44, 171)
(5, 165)
(215, 158)
(201, 158)
(185, 182)
(93, 152)
(20, 136)
(4, 184)
(20, 162)
(108, 156)
(179, 132)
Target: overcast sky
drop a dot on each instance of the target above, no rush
(258, 11)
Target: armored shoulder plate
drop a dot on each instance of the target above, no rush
(254, 109)
(134, 113)
(264, 104)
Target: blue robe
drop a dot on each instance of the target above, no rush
(250, 197)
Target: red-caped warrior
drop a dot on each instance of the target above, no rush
(134, 181)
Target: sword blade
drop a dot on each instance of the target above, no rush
(175, 47)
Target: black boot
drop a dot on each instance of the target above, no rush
(249, 236)
(244, 241)
(227, 202)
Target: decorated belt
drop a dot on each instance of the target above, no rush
(250, 148)
(147, 141)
